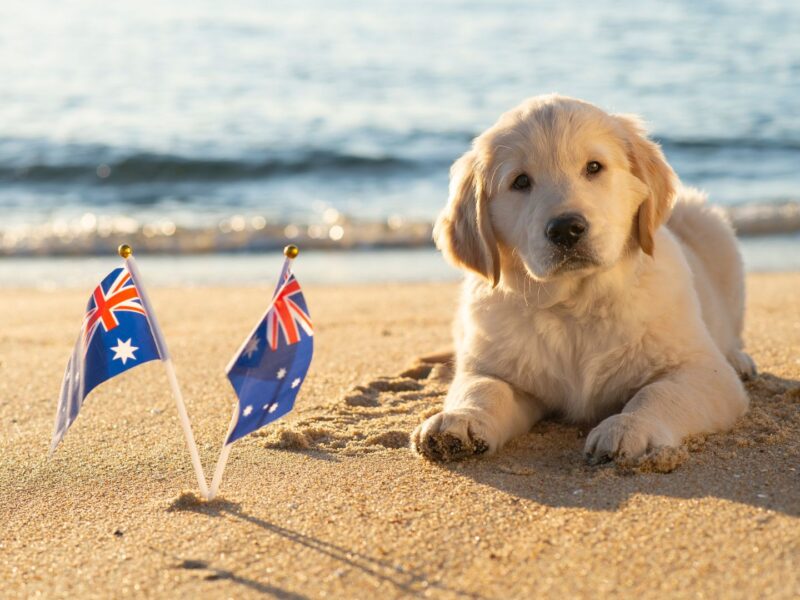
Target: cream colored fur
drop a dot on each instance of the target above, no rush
(637, 331)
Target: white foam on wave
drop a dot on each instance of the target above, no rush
(398, 265)
(765, 219)
(92, 235)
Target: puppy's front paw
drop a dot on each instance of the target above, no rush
(453, 435)
(744, 365)
(624, 436)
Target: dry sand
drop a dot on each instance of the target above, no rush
(331, 503)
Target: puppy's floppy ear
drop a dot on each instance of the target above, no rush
(463, 231)
(649, 165)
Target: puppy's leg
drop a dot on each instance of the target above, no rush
(701, 396)
(480, 415)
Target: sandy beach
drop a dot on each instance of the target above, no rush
(330, 503)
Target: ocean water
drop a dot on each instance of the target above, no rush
(316, 266)
(191, 126)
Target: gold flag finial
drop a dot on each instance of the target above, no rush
(124, 250)
(291, 251)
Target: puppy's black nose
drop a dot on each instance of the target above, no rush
(566, 230)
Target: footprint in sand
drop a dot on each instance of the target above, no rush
(380, 415)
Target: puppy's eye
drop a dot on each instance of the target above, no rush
(522, 182)
(593, 167)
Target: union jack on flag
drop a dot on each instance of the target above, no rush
(115, 336)
(287, 318)
(267, 371)
(103, 307)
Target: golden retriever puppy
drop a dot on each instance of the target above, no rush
(599, 290)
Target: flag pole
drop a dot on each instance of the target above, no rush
(290, 252)
(126, 252)
(216, 481)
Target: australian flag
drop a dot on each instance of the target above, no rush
(115, 336)
(270, 367)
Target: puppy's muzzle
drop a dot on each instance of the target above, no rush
(566, 230)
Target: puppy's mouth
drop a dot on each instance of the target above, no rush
(575, 260)
(561, 263)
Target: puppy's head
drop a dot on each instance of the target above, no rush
(559, 186)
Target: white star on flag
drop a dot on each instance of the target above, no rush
(296, 382)
(247, 410)
(123, 350)
(251, 347)
(281, 374)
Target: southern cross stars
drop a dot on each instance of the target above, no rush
(123, 351)
(282, 373)
(252, 347)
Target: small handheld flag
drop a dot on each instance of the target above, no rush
(119, 332)
(271, 364)
(269, 368)
(115, 337)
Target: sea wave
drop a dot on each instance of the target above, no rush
(733, 143)
(150, 167)
(92, 235)
(40, 162)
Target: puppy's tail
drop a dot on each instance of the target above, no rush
(444, 355)
(704, 228)
(706, 231)
(437, 365)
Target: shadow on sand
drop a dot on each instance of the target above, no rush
(758, 463)
(406, 581)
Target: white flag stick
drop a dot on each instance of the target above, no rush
(126, 252)
(291, 253)
(216, 481)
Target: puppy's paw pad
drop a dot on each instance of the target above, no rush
(451, 446)
(449, 436)
(623, 436)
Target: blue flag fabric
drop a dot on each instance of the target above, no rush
(273, 362)
(115, 336)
